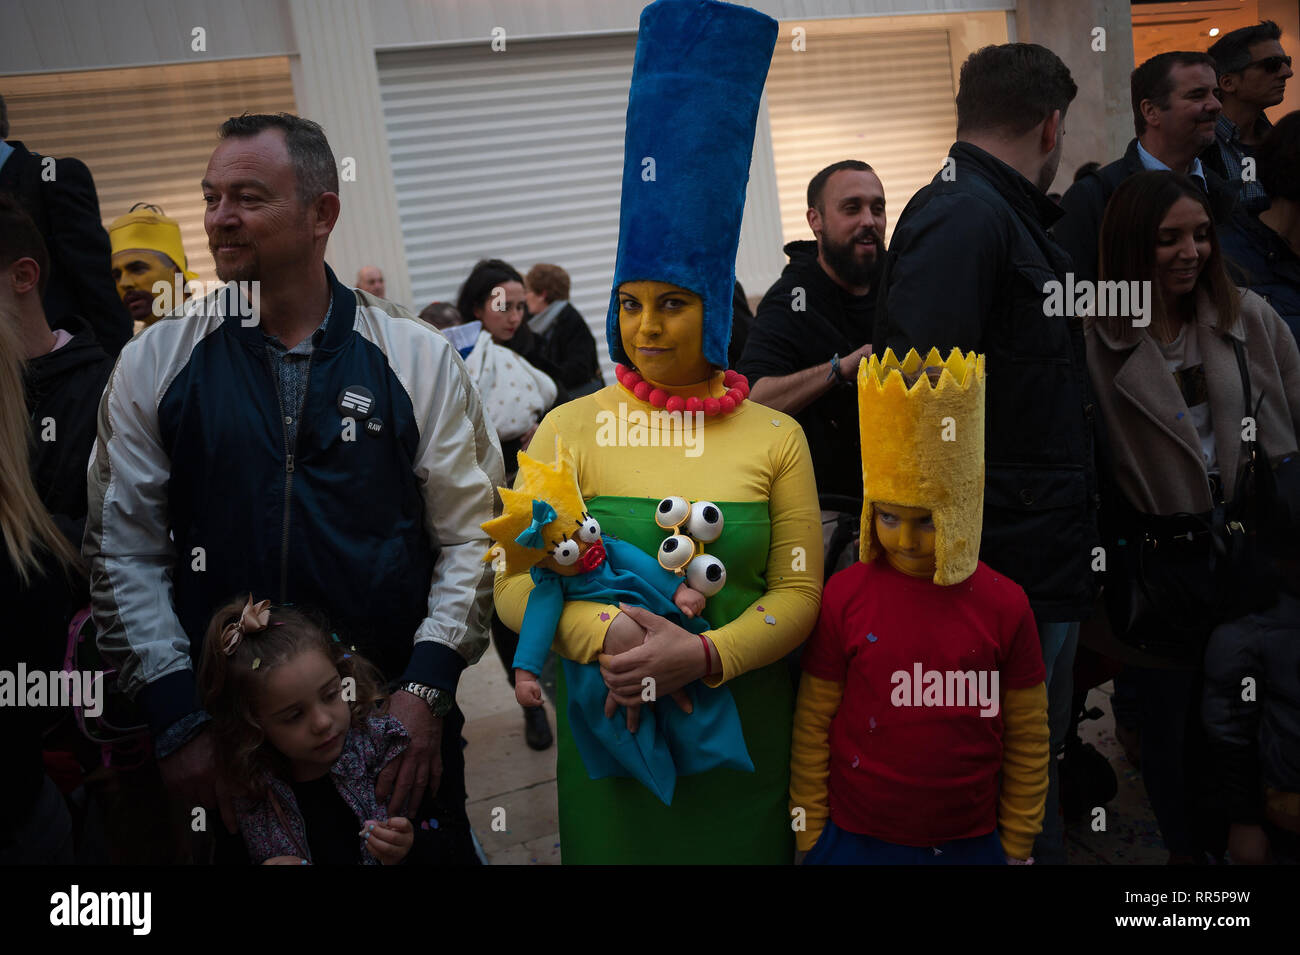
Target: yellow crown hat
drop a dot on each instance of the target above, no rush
(148, 229)
(557, 485)
(923, 446)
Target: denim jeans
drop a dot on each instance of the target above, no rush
(838, 846)
(1059, 642)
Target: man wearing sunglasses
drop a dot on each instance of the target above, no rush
(1253, 70)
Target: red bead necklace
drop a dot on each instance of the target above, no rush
(736, 384)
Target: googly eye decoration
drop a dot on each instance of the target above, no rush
(672, 512)
(676, 552)
(566, 553)
(589, 532)
(705, 522)
(706, 574)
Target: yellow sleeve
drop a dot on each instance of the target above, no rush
(794, 572)
(1025, 751)
(581, 632)
(810, 755)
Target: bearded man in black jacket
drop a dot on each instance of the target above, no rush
(813, 327)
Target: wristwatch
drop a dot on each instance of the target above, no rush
(835, 368)
(440, 701)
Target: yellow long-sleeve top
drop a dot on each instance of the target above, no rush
(1025, 752)
(629, 458)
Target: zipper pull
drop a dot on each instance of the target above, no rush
(288, 464)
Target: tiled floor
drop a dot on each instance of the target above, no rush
(512, 788)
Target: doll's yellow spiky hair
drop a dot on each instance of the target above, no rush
(554, 484)
(923, 446)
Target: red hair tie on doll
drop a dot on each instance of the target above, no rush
(253, 618)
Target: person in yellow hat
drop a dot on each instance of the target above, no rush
(920, 731)
(147, 250)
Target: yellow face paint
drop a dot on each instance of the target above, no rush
(662, 328)
(907, 535)
(135, 271)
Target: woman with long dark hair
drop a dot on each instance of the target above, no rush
(1170, 389)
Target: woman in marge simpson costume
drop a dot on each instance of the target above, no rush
(699, 72)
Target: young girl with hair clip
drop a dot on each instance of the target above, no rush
(300, 738)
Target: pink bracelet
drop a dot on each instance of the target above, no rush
(708, 658)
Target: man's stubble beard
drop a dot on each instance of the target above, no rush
(252, 272)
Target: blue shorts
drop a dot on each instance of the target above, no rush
(837, 846)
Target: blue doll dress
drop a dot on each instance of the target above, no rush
(671, 743)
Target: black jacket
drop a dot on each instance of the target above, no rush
(35, 635)
(967, 268)
(567, 353)
(66, 210)
(783, 341)
(63, 392)
(1255, 742)
(1260, 259)
(1079, 229)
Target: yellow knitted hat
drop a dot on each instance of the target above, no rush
(556, 485)
(923, 446)
(152, 232)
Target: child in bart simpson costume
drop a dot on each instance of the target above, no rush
(545, 529)
(698, 73)
(920, 733)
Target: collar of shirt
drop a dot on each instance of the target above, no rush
(1228, 131)
(5, 152)
(305, 346)
(1151, 162)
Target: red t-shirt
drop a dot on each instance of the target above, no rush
(909, 763)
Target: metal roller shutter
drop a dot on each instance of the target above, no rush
(886, 99)
(515, 155)
(146, 133)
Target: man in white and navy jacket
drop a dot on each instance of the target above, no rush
(328, 450)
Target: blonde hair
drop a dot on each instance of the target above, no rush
(25, 525)
(555, 484)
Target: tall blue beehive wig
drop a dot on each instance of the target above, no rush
(696, 83)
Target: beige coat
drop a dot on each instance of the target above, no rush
(1156, 454)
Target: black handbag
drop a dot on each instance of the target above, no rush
(1270, 495)
(1163, 592)
(1171, 579)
